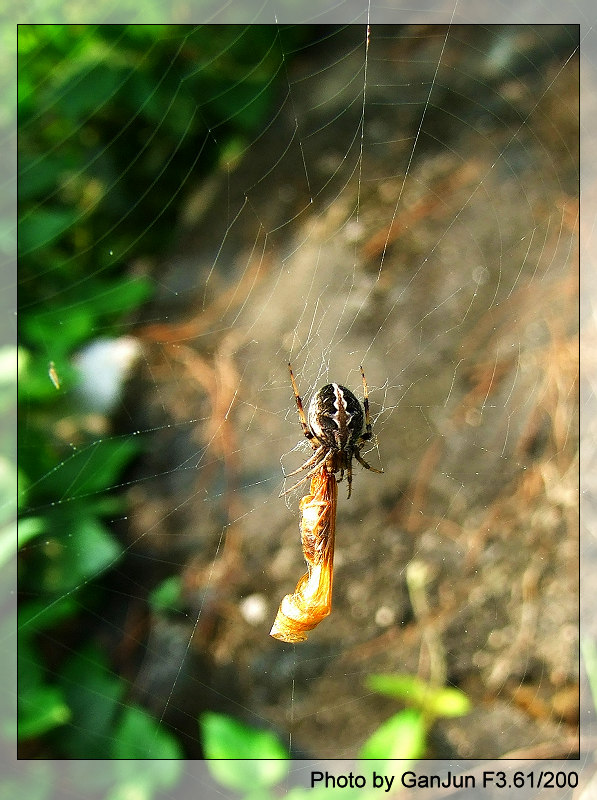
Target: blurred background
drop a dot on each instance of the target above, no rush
(197, 207)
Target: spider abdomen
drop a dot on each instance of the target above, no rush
(335, 417)
(334, 427)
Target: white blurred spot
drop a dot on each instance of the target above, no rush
(384, 616)
(253, 608)
(104, 366)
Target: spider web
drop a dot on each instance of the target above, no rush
(410, 204)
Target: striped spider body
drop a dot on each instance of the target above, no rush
(334, 427)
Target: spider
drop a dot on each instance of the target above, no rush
(334, 428)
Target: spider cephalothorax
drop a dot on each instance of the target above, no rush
(334, 427)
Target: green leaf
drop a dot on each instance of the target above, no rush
(8, 541)
(226, 738)
(91, 469)
(96, 303)
(138, 735)
(78, 553)
(38, 176)
(141, 780)
(260, 774)
(88, 87)
(10, 362)
(36, 383)
(41, 708)
(38, 229)
(9, 478)
(34, 783)
(115, 297)
(29, 528)
(8, 233)
(322, 792)
(93, 694)
(435, 701)
(167, 595)
(75, 326)
(148, 776)
(30, 672)
(450, 702)
(40, 615)
(137, 788)
(401, 736)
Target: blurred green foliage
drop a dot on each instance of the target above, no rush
(432, 701)
(259, 754)
(116, 126)
(230, 745)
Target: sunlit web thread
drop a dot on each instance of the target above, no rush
(417, 135)
(294, 114)
(105, 234)
(195, 625)
(412, 152)
(309, 338)
(368, 35)
(478, 185)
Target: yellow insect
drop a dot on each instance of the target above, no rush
(53, 375)
(312, 598)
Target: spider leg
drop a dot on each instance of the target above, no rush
(315, 458)
(363, 463)
(299, 405)
(305, 477)
(368, 429)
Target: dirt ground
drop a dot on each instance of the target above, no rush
(460, 563)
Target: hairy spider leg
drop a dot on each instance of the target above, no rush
(299, 404)
(316, 460)
(317, 464)
(363, 463)
(368, 429)
(368, 435)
